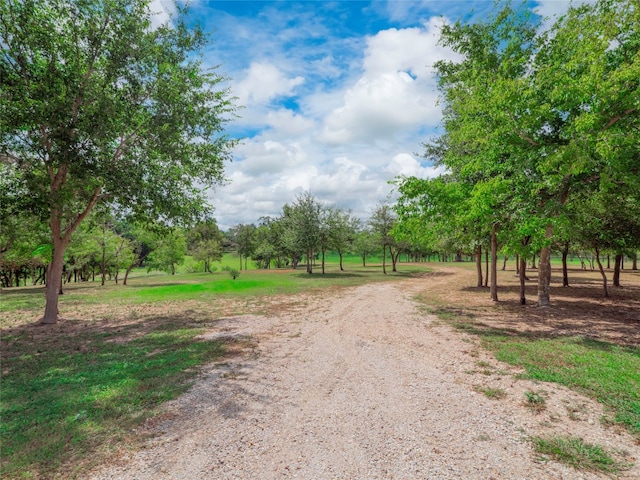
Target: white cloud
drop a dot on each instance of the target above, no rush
(264, 82)
(413, 50)
(288, 123)
(380, 106)
(404, 164)
(161, 12)
(396, 91)
(262, 156)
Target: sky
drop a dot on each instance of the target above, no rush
(336, 97)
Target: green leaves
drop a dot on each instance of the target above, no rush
(104, 101)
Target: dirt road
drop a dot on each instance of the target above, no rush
(361, 385)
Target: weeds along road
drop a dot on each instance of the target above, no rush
(360, 385)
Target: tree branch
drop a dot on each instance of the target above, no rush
(615, 119)
(73, 225)
(522, 134)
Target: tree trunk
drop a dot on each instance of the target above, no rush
(322, 250)
(494, 263)
(384, 259)
(565, 270)
(394, 259)
(103, 264)
(544, 272)
(340, 255)
(635, 261)
(479, 265)
(533, 260)
(486, 268)
(364, 260)
(54, 282)
(504, 264)
(608, 262)
(523, 276)
(517, 264)
(616, 271)
(604, 275)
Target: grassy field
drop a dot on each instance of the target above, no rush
(72, 391)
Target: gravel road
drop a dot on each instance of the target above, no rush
(360, 385)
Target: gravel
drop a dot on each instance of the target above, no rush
(360, 384)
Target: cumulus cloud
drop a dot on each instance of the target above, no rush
(161, 12)
(259, 157)
(264, 82)
(288, 123)
(380, 106)
(396, 91)
(404, 164)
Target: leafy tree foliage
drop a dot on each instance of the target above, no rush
(303, 227)
(532, 118)
(243, 237)
(98, 106)
(204, 242)
(169, 252)
(382, 223)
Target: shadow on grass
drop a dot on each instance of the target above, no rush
(318, 275)
(70, 387)
(162, 284)
(579, 310)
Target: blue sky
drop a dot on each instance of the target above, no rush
(337, 97)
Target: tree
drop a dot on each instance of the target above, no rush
(546, 114)
(364, 244)
(169, 251)
(204, 242)
(270, 244)
(342, 230)
(243, 237)
(607, 223)
(98, 106)
(303, 228)
(382, 222)
(325, 236)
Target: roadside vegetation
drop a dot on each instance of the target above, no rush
(583, 342)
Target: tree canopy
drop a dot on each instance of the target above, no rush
(98, 105)
(533, 117)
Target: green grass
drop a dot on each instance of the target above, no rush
(535, 401)
(65, 395)
(580, 455)
(604, 371)
(492, 393)
(158, 287)
(607, 372)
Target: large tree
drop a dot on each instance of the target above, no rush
(98, 105)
